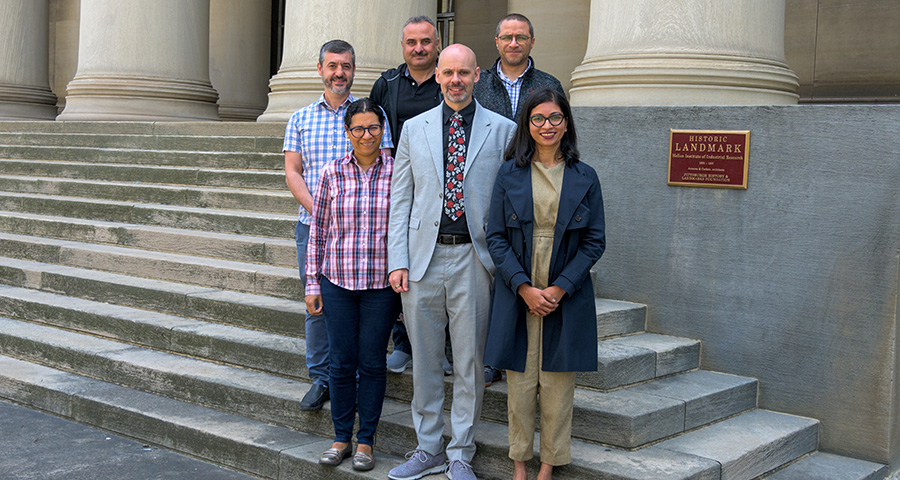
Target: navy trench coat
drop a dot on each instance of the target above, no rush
(570, 332)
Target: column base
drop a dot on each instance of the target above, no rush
(26, 102)
(239, 113)
(673, 79)
(143, 99)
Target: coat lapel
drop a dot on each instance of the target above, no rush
(520, 194)
(574, 187)
(433, 133)
(481, 129)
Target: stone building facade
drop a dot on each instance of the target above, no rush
(254, 60)
(213, 59)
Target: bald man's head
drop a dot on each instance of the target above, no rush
(457, 71)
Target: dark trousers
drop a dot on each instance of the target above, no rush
(401, 340)
(359, 324)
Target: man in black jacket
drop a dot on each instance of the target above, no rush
(504, 87)
(403, 93)
(410, 89)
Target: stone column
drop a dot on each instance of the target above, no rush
(239, 33)
(142, 60)
(685, 52)
(559, 32)
(372, 27)
(24, 82)
(63, 46)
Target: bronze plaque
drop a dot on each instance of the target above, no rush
(709, 158)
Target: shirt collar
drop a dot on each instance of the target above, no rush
(323, 103)
(506, 79)
(409, 76)
(468, 112)
(350, 157)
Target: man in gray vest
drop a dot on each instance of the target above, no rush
(506, 84)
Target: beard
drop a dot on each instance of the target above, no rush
(329, 84)
(457, 97)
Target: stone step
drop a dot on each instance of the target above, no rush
(241, 443)
(257, 395)
(827, 466)
(268, 352)
(259, 312)
(178, 142)
(626, 418)
(619, 317)
(637, 358)
(215, 129)
(254, 160)
(243, 248)
(636, 416)
(758, 442)
(217, 273)
(591, 461)
(198, 218)
(395, 430)
(142, 174)
(272, 201)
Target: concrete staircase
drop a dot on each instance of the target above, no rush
(148, 286)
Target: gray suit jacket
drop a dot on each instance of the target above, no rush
(417, 186)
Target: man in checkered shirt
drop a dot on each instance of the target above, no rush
(313, 137)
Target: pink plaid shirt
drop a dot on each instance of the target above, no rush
(348, 232)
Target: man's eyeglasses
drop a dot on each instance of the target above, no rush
(554, 119)
(509, 38)
(374, 130)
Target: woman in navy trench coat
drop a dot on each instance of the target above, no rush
(568, 332)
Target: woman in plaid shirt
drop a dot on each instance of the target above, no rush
(347, 281)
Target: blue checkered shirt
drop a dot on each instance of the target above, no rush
(316, 132)
(513, 87)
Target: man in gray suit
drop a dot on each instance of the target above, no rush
(444, 171)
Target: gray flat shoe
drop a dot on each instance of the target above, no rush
(363, 462)
(334, 457)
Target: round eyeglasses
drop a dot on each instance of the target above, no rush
(374, 130)
(554, 119)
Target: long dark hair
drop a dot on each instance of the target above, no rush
(363, 105)
(521, 148)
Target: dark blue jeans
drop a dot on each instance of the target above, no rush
(316, 336)
(359, 324)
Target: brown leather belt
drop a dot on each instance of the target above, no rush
(449, 239)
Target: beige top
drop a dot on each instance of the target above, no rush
(546, 185)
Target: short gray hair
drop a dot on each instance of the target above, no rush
(336, 46)
(421, 19)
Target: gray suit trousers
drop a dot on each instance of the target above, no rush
(455, 289)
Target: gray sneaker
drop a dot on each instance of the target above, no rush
(398, 361)
(418, 464)
(460, 470)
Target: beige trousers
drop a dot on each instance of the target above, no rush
(557, 394)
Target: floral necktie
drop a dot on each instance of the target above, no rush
(455, 206)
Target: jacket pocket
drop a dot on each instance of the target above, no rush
(414, 223)
(580, 219)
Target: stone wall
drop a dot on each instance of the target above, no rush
(793, 281)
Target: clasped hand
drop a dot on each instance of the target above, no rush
(541, 302)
